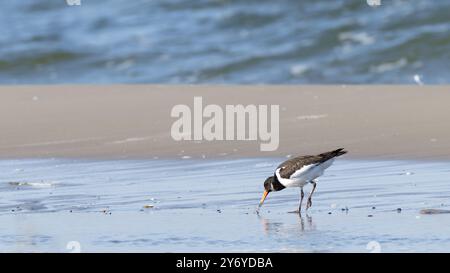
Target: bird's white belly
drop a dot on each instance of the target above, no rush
(304, 175)
(289, 183)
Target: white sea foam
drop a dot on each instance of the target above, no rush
(385, 67)
(418, 80)
(298, 69)
(357, 37)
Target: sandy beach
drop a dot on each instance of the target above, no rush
(133, 121)
(104, 155)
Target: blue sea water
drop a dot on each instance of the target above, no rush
(224, 41)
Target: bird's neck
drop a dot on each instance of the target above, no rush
(277, 186)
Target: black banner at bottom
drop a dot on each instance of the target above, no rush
(221, 262)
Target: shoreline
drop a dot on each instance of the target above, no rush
(134, 122)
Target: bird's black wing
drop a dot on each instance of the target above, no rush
(290, 166)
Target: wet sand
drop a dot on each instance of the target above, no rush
(48, 203)
(133, 121)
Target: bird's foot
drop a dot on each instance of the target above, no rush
(309, 204)
(296, 212)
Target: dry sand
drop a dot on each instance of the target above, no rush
(133, 121)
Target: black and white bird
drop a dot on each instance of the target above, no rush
(299, 171)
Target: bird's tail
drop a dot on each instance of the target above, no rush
(339, 152)
(335, 153)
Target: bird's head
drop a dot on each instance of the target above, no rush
(268, 187)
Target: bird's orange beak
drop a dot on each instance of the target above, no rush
(263, 198)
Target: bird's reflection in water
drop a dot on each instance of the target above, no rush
(302, 224)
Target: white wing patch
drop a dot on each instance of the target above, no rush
(298, 174)
(304, 175)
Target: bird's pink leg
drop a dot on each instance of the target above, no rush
(302, 194)
(299, 211)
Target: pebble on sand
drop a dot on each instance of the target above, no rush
(148, 206)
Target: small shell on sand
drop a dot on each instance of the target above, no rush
(434, 211)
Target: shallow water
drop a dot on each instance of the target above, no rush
(209, 205)
(224, 41)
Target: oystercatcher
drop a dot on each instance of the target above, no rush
(299, 171)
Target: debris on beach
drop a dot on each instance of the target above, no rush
(399, 210)
(434, 211)
(17, 208)
(148, 206)
(106, 212)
